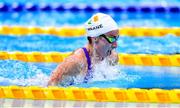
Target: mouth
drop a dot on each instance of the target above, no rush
(109, 52)
(113, 47)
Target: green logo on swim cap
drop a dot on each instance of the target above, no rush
(89, 22)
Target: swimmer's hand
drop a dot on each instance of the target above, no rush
(113, 58)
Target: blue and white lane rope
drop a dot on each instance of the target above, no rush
(18, 7)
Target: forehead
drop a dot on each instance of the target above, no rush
(113, 33)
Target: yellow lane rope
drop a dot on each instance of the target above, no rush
(91, 94)
(125, 59)
(79, 31)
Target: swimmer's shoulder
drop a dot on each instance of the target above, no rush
(78, 55)
(79, 52)
(78, 58)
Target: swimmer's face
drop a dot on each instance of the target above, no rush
(107, 43)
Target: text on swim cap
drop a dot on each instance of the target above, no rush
(95, 27)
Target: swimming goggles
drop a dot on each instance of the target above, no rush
(110, 39)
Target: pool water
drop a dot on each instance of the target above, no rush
(47, 43)
(78, 18)
(26, 74)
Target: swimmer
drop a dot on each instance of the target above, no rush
(102, 34)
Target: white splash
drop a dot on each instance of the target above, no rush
(105, 72)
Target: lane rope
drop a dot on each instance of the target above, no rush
(80, 31)
(31, 7)
(124, 59)
(91, 94)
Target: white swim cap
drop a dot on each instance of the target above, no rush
(99, 24)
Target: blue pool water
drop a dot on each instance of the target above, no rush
(78, 19)
(47, 43)
(26, 74)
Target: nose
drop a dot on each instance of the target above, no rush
(114, 44)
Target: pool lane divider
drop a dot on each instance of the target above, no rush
(31, 7)
(124, 59)
(80, 31)
(91, 94)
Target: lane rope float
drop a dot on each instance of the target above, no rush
(124, 59)
(31, 7)
(91, 94)
(80, 31)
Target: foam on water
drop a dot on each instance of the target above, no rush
(105, 72)
(105, 75)
(21, 73)
(27, 74)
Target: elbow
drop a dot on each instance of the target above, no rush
(53, 81)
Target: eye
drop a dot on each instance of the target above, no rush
(111, 39)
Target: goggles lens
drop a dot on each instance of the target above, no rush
(110, 39)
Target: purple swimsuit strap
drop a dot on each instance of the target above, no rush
(89, 72)
(88, 58)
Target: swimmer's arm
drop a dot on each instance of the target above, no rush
(69, 66)
(56, 76)
(113, 58)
